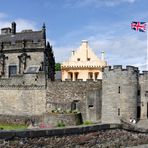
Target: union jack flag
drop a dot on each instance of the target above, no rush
(139, 26)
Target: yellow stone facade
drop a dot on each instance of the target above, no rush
(83, 65)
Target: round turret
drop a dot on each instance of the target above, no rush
(119, 94)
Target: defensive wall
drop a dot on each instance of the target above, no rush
(83, 96)
(121, 94)
(31, 95)
(23, 95)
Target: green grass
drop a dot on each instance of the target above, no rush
(12, 127)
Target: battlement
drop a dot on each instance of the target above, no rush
(7, 45)
(143, 75)
(120, 68)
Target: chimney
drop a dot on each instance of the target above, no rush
(102, 55)
(72, 53)
(13, 28)
(85, 43)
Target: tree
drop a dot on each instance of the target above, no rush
(58, 67)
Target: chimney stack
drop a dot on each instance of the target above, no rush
(13, 29)
(102, 55)
(85, 43)
(72, 53)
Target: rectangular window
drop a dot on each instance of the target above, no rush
(118, 111)
(138, 92)
(119, 89)
(12, 70)
(90, 106)
(146, 93)
(88, 59)
(78, 59)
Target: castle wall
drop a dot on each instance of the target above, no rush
(119, 94)
(85, 95)
(23, 95)
(143, 103)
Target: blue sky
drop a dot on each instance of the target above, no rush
(104, 23)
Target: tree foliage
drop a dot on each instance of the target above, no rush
(58, 67)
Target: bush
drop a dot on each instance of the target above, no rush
(87, 123)
(60, 124)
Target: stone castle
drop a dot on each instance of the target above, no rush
(28, 88)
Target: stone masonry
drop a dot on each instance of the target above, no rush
(28, 88)
(85, 95)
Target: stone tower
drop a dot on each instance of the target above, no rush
(143, 95)
(119, 94)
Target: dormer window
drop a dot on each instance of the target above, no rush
(78, 59)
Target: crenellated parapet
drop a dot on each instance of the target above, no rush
(143, 76)
(18, 45)
(120, 68)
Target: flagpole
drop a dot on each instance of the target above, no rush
(147, 46)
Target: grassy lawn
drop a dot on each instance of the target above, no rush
(12, 127)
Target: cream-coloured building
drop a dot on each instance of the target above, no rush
(83, 64)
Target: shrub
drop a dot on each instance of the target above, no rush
(60, 124)
(87, 123)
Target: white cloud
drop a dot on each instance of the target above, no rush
(21, 23)
(62, 53)
(128, 49)
(125, 50)
(25, 24)
(96, 3)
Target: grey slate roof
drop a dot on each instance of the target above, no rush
(32, 35)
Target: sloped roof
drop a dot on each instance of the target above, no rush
(84, 57)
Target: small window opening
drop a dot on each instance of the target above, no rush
(90, 106)
(88, 59)
(78, 59)
(146, 93)
(119, 89)
(138, 92)
(118, 111)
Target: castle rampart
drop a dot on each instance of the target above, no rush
(23, 95)
(84, 95)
